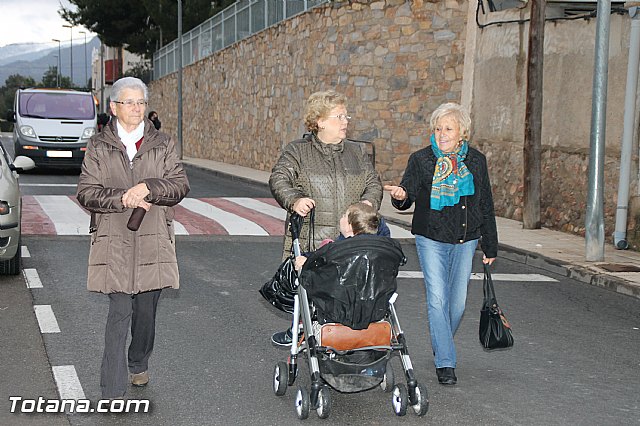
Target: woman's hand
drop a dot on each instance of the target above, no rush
(303, 206)
(300, 260)
(396, 192)
(135, 196)
(488, 260)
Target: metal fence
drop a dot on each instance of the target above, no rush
(238, 21)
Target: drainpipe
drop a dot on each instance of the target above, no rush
(620, 234)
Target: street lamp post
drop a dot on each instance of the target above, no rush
(70, 50)
(86, 78)
(58, 70)
(57, 75)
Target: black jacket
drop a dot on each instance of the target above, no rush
(472, 218)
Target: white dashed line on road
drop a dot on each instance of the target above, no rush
(24, 251)
(31, 278)
(67, 381)
(46, 319)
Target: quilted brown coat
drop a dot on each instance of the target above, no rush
(335, 176)
(120, 260)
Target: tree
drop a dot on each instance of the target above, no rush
(141, 71)
(50, 79)
(7, 93)
(139, 26)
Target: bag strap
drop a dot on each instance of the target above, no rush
(489, 292)
(312, 230)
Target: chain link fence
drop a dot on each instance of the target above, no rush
(238, 21)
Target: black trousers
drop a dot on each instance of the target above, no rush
(140, 311)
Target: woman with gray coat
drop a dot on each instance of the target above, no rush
(130, 165)
(325, 171)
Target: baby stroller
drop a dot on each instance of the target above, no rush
(345, 322)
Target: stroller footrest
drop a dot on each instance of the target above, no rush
(343, 338)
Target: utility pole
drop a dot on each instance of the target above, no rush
(594, 220)
(59, 62)
(86, 78)
(70, 50)
(533, 118)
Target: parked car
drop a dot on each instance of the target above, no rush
(11, 211)
(53, 126)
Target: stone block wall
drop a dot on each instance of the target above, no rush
(396, 60)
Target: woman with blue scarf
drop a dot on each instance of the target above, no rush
(449, 183)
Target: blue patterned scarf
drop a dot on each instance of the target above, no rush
(451, 178)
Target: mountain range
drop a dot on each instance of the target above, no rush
(33, 60)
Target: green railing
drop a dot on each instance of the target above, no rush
(238, 21)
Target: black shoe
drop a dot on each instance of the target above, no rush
(447, 375)
(282, 338)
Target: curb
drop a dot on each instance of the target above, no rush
(579, 273)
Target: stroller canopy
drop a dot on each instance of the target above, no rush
(350, 281)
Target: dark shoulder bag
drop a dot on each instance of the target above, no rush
(494, 331)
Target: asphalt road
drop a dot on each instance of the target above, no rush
(575, 359)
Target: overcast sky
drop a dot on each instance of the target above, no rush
(35, 21)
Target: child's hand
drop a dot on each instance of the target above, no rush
(299, 262)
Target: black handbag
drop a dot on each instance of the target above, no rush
(280, 289)
(494, 330)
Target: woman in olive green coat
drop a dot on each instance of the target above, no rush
(325, 171)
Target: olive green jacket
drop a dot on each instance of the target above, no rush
(120, 260)
(335, 176)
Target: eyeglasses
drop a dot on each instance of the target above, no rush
(130, 102)
(341, 117)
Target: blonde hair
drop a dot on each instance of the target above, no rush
(319, 105)
(363, 219)
(455, 111)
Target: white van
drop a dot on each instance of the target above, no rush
(53, 126)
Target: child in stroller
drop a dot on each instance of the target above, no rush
(359, 219)
(345, 322)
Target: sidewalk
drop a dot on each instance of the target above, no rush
(553, 251)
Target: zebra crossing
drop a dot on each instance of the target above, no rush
(62, 215)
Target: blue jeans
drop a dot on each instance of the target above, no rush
(446, 268)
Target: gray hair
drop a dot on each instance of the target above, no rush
(128, 83)
(458, 113)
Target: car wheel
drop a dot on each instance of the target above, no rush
(12, 266)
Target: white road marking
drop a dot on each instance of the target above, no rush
(260, 206)
(73, 185)
(46, 319)
(398, 232)
(179, 228)
(67, 216)
(31, 278)
(234, 224)
(496, 277)
(24, 251)
(66, 378)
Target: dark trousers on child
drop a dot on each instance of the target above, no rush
(139, 310)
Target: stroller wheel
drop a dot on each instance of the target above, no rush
(280, 378)
(422, 400)
(302, 403)
(324, 403)
(389, 379)
(400, 399)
